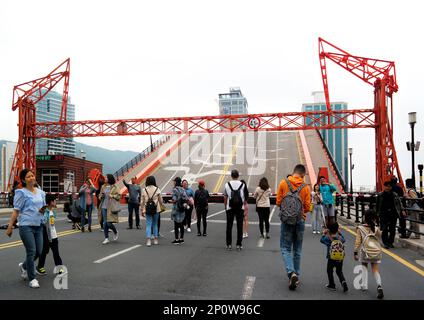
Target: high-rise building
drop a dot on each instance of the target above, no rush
(48, 110)
(7, 153)
(335, 139)
(233, 102)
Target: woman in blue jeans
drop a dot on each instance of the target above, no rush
(109, 193)
(28, 205)
(86, 202)
(153, 193)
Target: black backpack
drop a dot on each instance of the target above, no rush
(236, 201)
(202, 199)
(151, 207)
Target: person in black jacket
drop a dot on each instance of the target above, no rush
(388, 209)
(402, 221)
(201, 197)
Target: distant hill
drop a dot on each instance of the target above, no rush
(112, 160)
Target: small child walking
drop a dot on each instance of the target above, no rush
(334, 240)
(50, 239)
(368, 250)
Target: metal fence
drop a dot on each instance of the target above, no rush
(354, 207)
(142, 155)
(4, 200)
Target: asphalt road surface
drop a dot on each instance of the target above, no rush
(202, 268)
(199, 269)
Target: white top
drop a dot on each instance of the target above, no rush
(151, 192)
(51, 226)
(262, 197)
(235, 184)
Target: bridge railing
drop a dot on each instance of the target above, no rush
(353, 206)
(4, 200)
(142, 155)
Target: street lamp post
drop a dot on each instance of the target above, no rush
(351, 168)
(412, 122)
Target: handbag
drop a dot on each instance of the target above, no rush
(114, 206)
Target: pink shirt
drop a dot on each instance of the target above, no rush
(88, 199)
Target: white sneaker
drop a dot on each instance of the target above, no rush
(188, 229)
(106, 241)
(245, 235)
(148, 242)
(116, 236)
(24, 273)
(34, 284)
(155, 241)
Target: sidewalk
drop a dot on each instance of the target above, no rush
(412, 244)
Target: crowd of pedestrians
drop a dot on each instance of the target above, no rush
(35, 213)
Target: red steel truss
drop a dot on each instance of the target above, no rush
(381, 74)
(208, 124)
(25, 96)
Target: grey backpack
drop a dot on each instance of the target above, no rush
(291, 207)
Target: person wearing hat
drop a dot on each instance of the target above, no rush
(179, 200)
(201, 197)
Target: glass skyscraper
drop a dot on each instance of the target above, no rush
(232, 103)
(335, 139)
(48, 110)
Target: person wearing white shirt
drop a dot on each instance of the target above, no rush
(233, 200)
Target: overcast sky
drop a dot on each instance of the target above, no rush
(138, 59)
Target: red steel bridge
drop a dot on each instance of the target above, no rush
(380, 74)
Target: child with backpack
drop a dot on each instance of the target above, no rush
(201, 197)
(334, 240)
(50, 239)
(368, 250)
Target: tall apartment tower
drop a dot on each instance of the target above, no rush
(335, 139)
(48, 110)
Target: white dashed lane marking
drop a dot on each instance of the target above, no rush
(117, 254)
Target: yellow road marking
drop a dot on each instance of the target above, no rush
(17, 243)
(227, 165)
(59, 234)
(394, 256)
